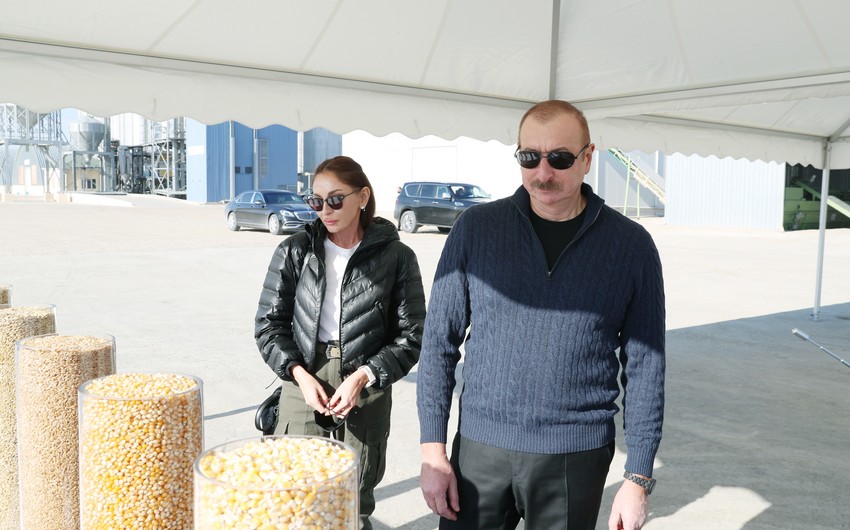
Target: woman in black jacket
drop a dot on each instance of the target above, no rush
(340, 320)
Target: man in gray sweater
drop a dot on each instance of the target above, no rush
(552, 294)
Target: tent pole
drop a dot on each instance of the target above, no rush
(553, 49)
(824, 196)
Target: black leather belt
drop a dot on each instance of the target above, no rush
(331, 349)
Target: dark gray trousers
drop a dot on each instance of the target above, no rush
(498, 487)
(366, 430)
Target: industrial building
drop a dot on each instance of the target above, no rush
(178, 158)
(183, 158)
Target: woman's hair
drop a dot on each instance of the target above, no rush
(351, 173)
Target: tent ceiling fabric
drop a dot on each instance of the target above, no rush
(761, 79)
(381, 65)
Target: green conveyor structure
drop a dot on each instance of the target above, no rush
(802, 214)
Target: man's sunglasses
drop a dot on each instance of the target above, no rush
(328, 423)
(556, 159)
(334, 201)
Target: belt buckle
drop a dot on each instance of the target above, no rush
(333, 351)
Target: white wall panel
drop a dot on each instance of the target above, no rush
(724, 192)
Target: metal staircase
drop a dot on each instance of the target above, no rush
(639, 175)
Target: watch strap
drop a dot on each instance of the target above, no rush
(647, 484)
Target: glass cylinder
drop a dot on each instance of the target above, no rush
(140, 434)
(5, 296)
(277, 482)
(49, 370)
(16, 323)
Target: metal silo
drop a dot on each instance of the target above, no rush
(30, 150)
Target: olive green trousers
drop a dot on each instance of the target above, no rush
(366, 429)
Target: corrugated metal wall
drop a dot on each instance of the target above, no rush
(319, 145)
(279, 169)
(244, 162)
(724, 193)
(218, 162)
(282, 158)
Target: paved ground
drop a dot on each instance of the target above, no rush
(757, 419)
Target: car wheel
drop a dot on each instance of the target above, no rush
(444, 229)
(231, 222)
(408, 222)
(274, 225)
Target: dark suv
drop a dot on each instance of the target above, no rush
(435, 203)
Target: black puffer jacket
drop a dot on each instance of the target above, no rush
(383, 304)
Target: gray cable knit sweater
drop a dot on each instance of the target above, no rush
(541, 364)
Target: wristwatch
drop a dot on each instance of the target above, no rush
(646, 483)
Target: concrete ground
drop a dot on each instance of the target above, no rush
(756, 425)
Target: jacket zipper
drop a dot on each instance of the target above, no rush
(345, 280)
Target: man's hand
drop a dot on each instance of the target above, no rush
(629, 509)
(438, 482)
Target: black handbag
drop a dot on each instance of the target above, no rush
(265, 420)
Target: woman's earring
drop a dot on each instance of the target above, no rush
(362, 208)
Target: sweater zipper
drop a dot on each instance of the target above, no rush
(578, 235)
(539, 244)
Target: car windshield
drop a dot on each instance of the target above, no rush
(469, 192)
(283, 198)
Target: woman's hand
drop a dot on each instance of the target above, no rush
(312, 390)
(345, 397)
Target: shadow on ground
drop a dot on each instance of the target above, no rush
(756, 424)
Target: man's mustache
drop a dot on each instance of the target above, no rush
(549, 185)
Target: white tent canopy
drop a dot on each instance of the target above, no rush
(758, 79)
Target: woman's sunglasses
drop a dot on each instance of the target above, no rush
(556, 159)
(334, 201)
(328, 423)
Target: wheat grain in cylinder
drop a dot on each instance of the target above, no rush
(16, 323)
(50, 369)
(5, 296)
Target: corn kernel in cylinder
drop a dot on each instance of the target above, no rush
(139, 437)
(277, 482)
